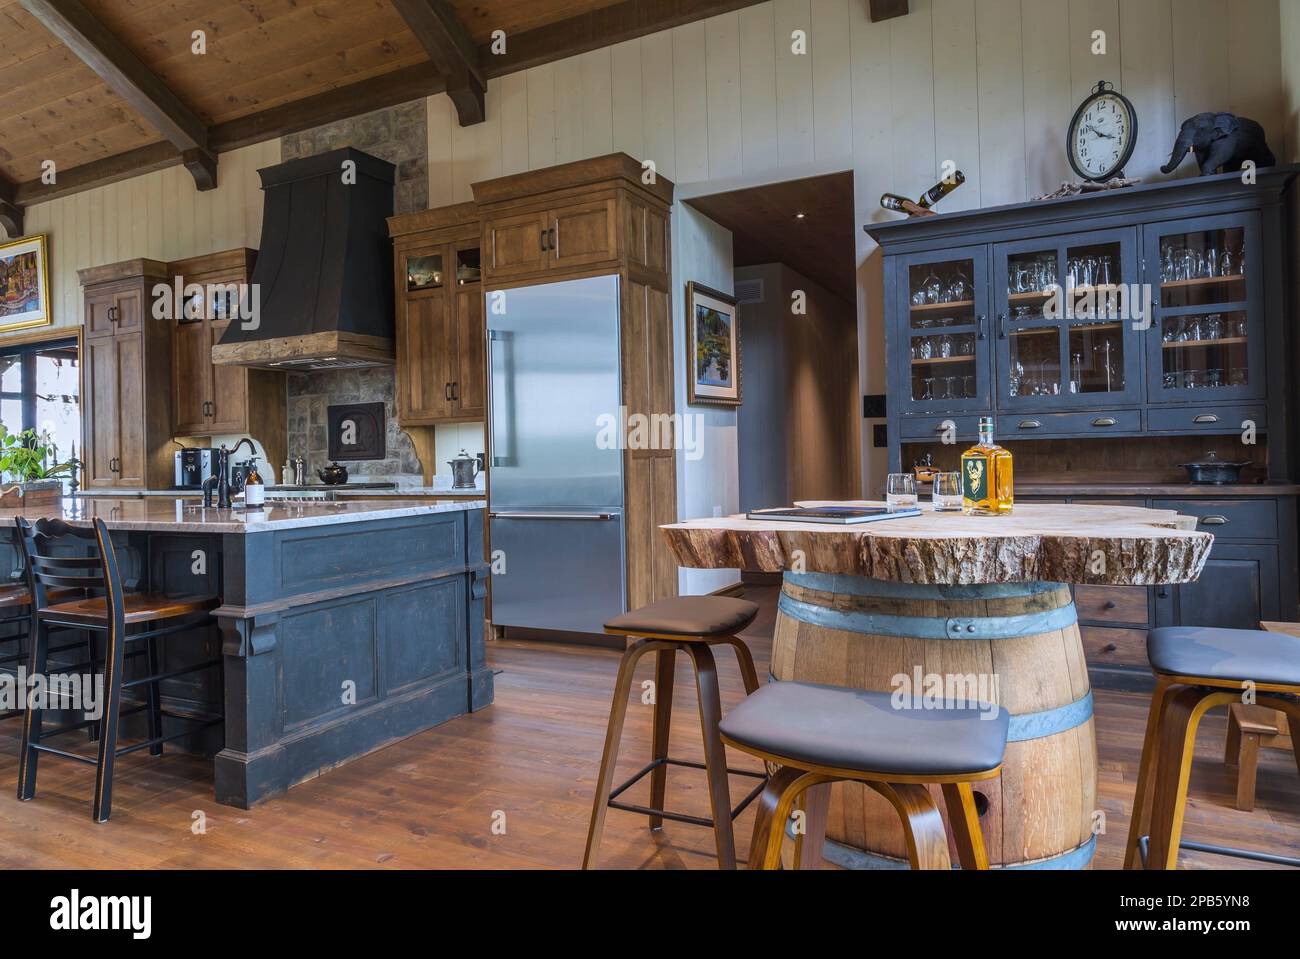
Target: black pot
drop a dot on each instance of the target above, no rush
(333, 475)
(1213, 471)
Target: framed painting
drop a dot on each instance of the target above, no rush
(24, 283)
(712, 346)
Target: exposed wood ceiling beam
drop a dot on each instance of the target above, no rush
(591, 31)
(452, 51)
(599, 28)
(127, 76)
(11, 215)
(887, 9)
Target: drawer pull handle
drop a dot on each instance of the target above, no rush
(1214, 521)
(1205, 418)
(1110, 604)
(1110, 648)
(1104, 421)
(1030, 425)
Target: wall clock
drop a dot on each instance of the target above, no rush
(1102, 134)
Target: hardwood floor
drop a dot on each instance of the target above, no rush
(510, 787)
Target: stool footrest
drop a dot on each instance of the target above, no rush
(683, 817)
(1230, 851)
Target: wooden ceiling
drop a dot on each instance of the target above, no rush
(765, 228)
(108, 89)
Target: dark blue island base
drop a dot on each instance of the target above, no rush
(343, 629)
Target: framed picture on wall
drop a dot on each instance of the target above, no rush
(24, 283)
(712, 347)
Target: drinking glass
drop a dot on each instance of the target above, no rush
(945, 345)
(968, 386)
(900, 491)
(947, 492)
(933, 288)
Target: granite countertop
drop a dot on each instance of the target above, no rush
(351, 491)
(175, 515)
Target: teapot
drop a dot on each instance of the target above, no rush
(464, 469)
(333, 475)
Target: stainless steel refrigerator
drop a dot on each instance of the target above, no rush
(555, 500)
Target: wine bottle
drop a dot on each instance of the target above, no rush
(894, 202)
(941, 189)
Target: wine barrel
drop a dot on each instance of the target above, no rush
(867, 634)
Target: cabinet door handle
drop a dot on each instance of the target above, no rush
(1104, 421)
(1002, 326)
(446, 391)
(112, 314)
(454, 395)
(551, 242)
(1205, 418)
(542, 239)
(979, 326)
(1214, 520)
(1030, 425)
(1162, 593)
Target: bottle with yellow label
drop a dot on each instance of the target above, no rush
(986, 475)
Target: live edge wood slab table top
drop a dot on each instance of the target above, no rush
(978, 608)
(1036, 542)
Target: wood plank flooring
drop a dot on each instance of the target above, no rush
(510, 787)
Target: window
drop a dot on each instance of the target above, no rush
(40, 389)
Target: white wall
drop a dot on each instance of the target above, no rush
(709, 485)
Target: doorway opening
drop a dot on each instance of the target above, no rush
(795, 276)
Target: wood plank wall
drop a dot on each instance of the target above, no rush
(989, 84)
(159, 215)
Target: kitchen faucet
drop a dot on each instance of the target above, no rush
(222, 478)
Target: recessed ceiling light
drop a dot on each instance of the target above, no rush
(800, 215)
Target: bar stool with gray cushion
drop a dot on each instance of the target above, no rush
(1198, 668)
(819, 735)
(689, 624)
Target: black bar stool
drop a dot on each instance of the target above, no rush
(689, 624)
(1198, 668)
(91, 597)
(819, 735)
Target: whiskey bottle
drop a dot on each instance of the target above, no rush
(941, 189)
(986, 475)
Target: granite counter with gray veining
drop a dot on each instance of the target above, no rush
(176, 515)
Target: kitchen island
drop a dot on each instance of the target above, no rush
(342, 626)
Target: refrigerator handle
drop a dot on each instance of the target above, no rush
(501, 399)
(565, 516)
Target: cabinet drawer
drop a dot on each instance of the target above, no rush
(1013, 426)
(1207, 419)
(1107, 646)
(932, 427)
(1228, 519)
(1111, 604)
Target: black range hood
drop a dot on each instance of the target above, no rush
(323, 282)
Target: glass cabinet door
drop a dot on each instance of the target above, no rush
(944, 344)
(1064, 330)
(1206, 338)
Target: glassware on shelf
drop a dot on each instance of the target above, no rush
(1076, 372)
(966, 344)
(1227, 264)
(1169, 381)
(1214, 378)
(933, 287)
(918, 297)
(1237, 376)
(959, 289)
(927, 388)
(945, 346)
(968, 386)
(1213, 327)
(1168, 263)
(1211, 264)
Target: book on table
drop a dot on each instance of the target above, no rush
(833, 515)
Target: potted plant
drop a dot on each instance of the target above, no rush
(24, 459)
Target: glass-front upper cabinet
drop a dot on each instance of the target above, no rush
(1064, 309)
(1206, 340)
(945, 349)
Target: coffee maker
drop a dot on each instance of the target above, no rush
(193, 466)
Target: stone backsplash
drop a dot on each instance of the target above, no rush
(310, 395)
(398, 135)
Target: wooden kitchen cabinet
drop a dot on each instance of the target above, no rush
(210, 400)
(126, 433)
(439, 322)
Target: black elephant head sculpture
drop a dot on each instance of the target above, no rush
(1222, 142)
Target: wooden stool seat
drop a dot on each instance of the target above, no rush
(863, 731)
(1198, 669)
(137, 608)
(1234, 655)
(15, 597)
(691, 625)
(687, 617)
